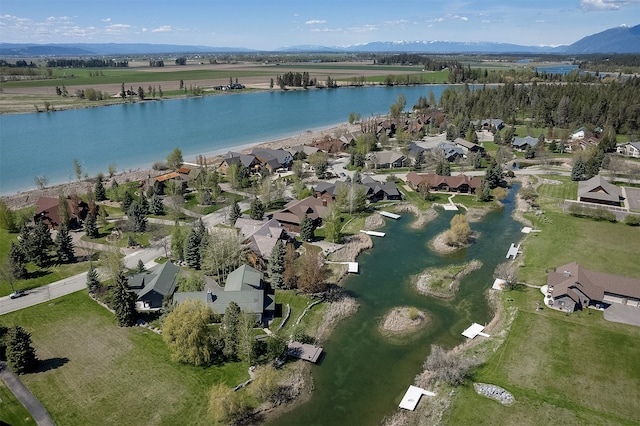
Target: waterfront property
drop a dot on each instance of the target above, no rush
(461, 183)
(304, 351)
(260, 235)
(597, 190)
(293, 213)
(412, 397)
(571, 287)
(244, 286)
(48, 211)
(153, 286)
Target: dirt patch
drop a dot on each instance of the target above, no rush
(444, 282)
(476, 214)
(421, 217)
(403, 321)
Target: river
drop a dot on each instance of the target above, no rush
(138, 134)
(363, 375)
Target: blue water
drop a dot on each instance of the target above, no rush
(558, 69)
(136, 135)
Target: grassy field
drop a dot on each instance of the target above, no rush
(577, 369)
(298, 303)
(11, 411)
(95, 373)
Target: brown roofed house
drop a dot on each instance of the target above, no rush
(598, 190)
(292, 215)
(48, 211)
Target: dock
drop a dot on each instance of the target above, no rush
(528, 230)
(412, 397)
(513, 251)
(304, 351)
(388, 214)
(373, 233)
(474, 330)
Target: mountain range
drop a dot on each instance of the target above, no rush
(623, 39)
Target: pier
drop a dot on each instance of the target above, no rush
(513, 251)
(373, 233)
(474, 330)
(390, 215)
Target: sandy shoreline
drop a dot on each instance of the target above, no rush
(29, 197)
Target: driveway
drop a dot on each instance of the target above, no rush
(623, 314)
(26, 398)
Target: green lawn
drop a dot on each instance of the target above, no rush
(11, 411)
(298, 303)
(577, 369)
(95, 373)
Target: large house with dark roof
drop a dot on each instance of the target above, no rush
(260, 235)
(244, 286)
(597, 190)
(292, 215)
(460, 183)
(153, 286)
(571, 287)
(48, 211)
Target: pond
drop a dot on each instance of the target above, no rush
(363, 375)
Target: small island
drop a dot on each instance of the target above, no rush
(457, 237)
(444, 282)
(403, 321)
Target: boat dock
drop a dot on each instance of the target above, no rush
(412, 397)
(304, 351)
(388, 214)
(373, 233)
(474, 330)
(513, 251)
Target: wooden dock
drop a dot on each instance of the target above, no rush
(513, 251)
(388, 214)
(304, 351)
(373, 233)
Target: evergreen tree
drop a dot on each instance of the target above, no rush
(93, 283)
(306, 229)
(230, 330)
(156, 207)
(127, 200)
(497, 138)
(235, 212)
(140, 267)
(529, 153)
(137, 218)
(17, 262)
(257, 209)
(193, 246)
(178, 239)
(144, 204)
(276, 265)
(38, 244)
(493, 175)
(63, 211)
(124, 301)
(100, 192)
(90, 226)
(484, 194)
(64, 246)
(21, 356)
(579, 170)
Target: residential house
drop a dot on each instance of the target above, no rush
(385, 160)
(571, 287)
(460, 183)
(351, 137)
(292, 215)
(579, 134)
(329, 145)
(247, 160)
(380, 191)
(152, 287)
(629, 149)
(244, 286)
(273, 159)
(489, 123)
(468, 147)
(302, 149)
(450, 151)
(260, 235)
(48, 211)
(598, 190)
(521, 144)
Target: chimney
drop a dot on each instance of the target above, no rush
(567, 274)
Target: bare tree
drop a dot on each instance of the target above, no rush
(507, 271)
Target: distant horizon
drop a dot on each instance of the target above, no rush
(277, 24)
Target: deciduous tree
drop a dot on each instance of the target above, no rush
(187, 334)
(312, 275)
(174, 159)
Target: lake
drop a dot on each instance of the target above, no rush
(138, 134)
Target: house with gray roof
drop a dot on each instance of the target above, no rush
(521, 144)
(489, 123)
(571, 287)
(153, 286)
(385, 160)
(598, 190)
(244, 286)
(629, 149)
(260, 235)
(468, 147)
(380, 190)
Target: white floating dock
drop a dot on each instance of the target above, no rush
(474, 330)
(388, 214)
(412, 397)
(373, 233)
(451, 207)
(528, 230)
(513, 251)
(352, 267)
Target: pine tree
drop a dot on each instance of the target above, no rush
(93, 283)
(485, 191)
(21, 356)
(123, 302)
(276, 265)
(127, 200)
(90, 226)
(100, 192)
(140, 267)
(230, 328)
(64, 246)
(137, 217)
(257, 209)
(144, 204)
(155, 206)
(306, 229)
(17, 261)
(579, 169)
(38, 243)
(193, 246)
(234, 213)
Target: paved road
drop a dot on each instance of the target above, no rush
(26, 398)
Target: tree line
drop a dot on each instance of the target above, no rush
(86, 63)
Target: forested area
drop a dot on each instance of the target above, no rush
(86, 63)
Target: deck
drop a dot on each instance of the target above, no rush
(513, 251)
(373, 233)
(474, 330)
(412, 397)
(390, 215)
(304, 351)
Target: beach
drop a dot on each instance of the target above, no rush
(30, 197)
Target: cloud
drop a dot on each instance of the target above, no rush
(106, 20)
(450, 17)
(316, 22)
(163, 29)
(591, 5)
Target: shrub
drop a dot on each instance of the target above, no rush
(632, 220)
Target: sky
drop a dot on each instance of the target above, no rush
(272, 24)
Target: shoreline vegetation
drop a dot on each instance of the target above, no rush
(444, 282)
